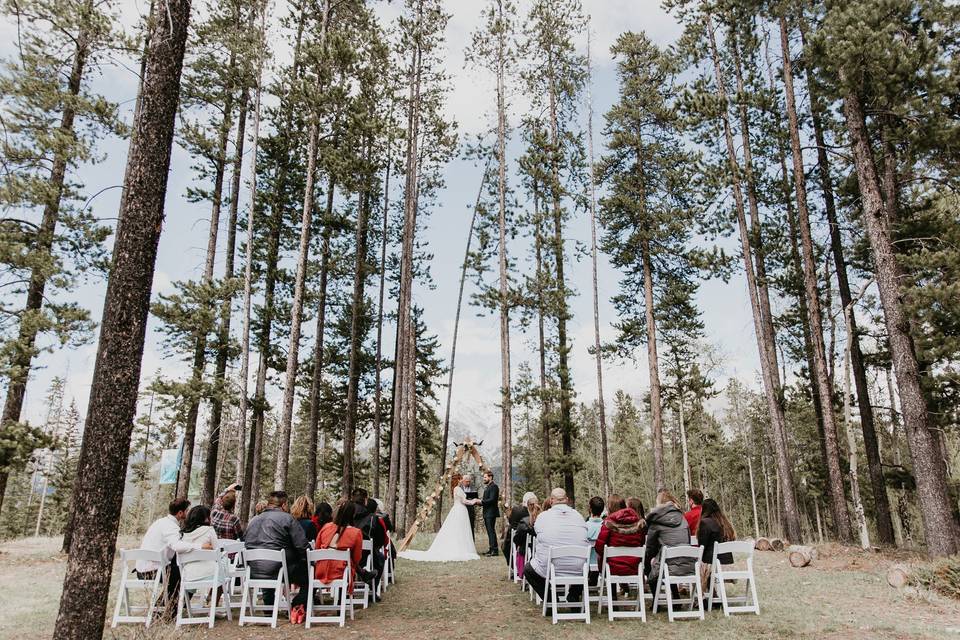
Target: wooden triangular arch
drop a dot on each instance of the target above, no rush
(468, 448)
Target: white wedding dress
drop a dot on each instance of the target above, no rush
(454, 541)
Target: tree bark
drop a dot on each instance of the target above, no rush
(653, 365)
(563, 367)
(838, 501)
(601, 409)
(316, 378)
(296, 312)
(200, 340)
(506, 412)
(226, 313)
(114, 391)
(929, 468)
(791, 518)
(356, 339)
(377, 391)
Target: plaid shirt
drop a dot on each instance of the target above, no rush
(226, 524)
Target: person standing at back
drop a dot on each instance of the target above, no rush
(491, 510)
(224, 521)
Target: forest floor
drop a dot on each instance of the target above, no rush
(844, 595)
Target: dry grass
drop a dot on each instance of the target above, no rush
(844, 596)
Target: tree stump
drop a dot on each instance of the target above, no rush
(898, 576)
(776, 544)
(801, 556)
(762, 544)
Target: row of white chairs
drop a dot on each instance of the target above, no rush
(237, 588)
(559, 583)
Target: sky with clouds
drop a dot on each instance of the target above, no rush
(471, 103)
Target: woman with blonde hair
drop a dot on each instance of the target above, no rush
(302, 511)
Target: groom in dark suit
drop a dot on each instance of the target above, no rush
(491, 510)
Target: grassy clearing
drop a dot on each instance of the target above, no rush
(844, 596)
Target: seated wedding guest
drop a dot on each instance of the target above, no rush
(159, 536)
(259, 507)
(302, 511)
(278, 530)
(197, 533)
(560, 526)
(322, 515)
(517, 513)
(622, 528)
(524, 529)
(594, 522)
(666, 527)
(714, 528)
(637, 505)
(366, 520)
(343, 536)
(224, 521)
(695, 505)
(388, 527)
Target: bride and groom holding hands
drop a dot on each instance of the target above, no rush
(454, 542)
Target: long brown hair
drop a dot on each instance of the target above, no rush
(665, 496)
(614, 503)
(712, 510)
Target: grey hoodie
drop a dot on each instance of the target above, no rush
(666, 527)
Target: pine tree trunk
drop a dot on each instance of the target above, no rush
(248, 287)
(545, 404)
(25, 346)
(200, 340)
(821, 378)
(653, 363)
(506, 411)
(852, 441)
(767, 349)
(316, 378)
(929, 469)
(404, 485)
(226, 313)
(356, 339)
(377, 391)
(113, 395)
(563, 349)
(251, 472)
(601, 409)
(296, 312)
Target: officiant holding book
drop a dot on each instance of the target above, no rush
(491, 510)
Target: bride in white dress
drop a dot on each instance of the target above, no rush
(454, 541)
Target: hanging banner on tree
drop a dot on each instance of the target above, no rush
(169, 464)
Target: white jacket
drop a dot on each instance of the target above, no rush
(196, 539)
(158, 537)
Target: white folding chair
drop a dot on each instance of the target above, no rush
(719, 576)
(252, 586)
(153, 588)
(390, 566)
(361, 590)
(512, 572)
(609, 584)
(556, 579)
(338, 590)
(531, 548)
(691, 581)
(233, 550)
(218, 584)
(594, 592)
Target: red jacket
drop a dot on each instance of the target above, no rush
(623, 528)
(693, 518)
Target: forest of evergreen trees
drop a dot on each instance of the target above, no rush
(805, 150)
